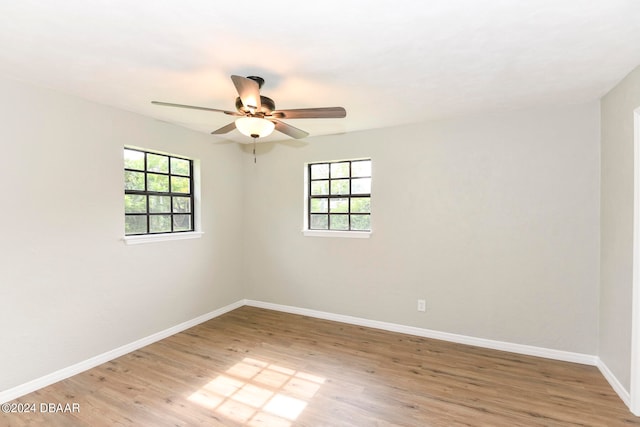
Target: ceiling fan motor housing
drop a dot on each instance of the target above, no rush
(266, 107)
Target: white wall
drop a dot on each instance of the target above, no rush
(493, 220)
(70, 289)
(617, 225)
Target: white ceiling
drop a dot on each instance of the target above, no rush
(387, 63)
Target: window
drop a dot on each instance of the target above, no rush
(158, 193)
(339, 195)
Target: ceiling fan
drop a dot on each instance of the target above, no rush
(257, 114)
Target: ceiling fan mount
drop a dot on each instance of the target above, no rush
(258, 80)
(261, 112)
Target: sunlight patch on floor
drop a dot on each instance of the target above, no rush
(258, 393)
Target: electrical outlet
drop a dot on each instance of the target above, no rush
(422, 305)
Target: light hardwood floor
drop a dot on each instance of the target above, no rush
(264, 368)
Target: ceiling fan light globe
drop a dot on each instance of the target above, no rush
(251, 126)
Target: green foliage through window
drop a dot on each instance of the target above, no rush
(340, 195)
(158, 193)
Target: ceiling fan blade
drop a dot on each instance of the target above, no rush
(249, 92)
(193, 107)
(311, 113)
(293, 132)
(225, 129)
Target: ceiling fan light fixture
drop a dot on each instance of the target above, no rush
(255, 127)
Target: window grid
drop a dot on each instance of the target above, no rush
(172, 195)
(336, 219)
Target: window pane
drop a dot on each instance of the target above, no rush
(339, 205)
(134, 203)
(133, 180)
(361, 205)
(182, 222)
(133, 159)
(157, 182)
(135, 224)
(319, 205)
(147, 176)
(360, 222)
(319, 188)
(159, 204)
(180, 167)
(361, 186)
(159, 223)
(182, 204)
(339, 186)
(361, 168)
(344, 190)
(157, 163)
(179, 185)
(340, 170)
(339, 222)
(320, 171)
(319, 222)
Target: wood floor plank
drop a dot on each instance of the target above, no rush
(258, 367)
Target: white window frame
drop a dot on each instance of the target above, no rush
(165, 237)
(331, 233)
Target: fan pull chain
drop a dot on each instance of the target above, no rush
(254, 150)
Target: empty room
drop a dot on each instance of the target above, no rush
(320, 214)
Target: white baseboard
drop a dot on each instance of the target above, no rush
(38, 383)
(615, 384)
(585, 359)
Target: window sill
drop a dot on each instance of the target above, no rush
(328, 233)
(152, 238)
